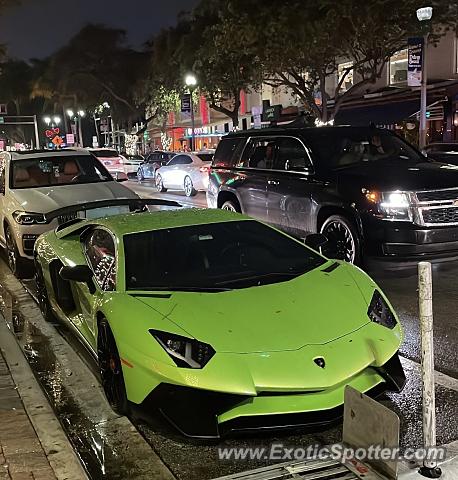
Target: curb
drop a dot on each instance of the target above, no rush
(56, 446)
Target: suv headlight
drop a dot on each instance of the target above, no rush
(29, 218)
(185, 352)
(390, 205)
(379, 311)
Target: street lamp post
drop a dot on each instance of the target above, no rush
(424, 14)
(191, 83)
(76, 117)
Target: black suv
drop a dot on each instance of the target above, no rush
(366, 189)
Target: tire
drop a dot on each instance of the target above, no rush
(42, 295)
(343, 240)
(231, 206)
(188, 187)
(110, 369)
(159, 184)
(20, 266)
(140, 176)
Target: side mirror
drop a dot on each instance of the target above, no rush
(315, 240)
(78, 273)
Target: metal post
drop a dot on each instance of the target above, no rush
(37, 137)
(193, 133)
(80, 132)
(425, 289)
(424, 95)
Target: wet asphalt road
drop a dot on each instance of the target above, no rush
(193, 460)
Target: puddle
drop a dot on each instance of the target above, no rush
(91, 441)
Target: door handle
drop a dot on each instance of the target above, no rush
(273, 182)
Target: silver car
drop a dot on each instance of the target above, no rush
(154, 161)
(185, 171)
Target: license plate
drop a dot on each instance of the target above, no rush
(103, 212)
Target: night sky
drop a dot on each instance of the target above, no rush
(37, 28)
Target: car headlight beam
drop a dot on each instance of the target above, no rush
(185, 352)
(379, 311)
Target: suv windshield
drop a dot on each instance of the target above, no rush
(105, 153)
(216, 256)
(56, 170)
(342, 147)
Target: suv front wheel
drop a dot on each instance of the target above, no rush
(343, 241)
(17, 264)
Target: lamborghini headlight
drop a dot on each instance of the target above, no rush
(390, 205)
(185, 352)
(29, 218)
(379, 311)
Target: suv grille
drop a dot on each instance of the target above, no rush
(438, 195)
(441, 215)
(66, 218)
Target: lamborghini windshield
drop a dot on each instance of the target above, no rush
(57, 170)
(215, 256)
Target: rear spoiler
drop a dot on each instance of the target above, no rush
(134, 204)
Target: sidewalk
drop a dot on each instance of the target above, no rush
(21, 454)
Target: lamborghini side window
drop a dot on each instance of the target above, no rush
(101, 254)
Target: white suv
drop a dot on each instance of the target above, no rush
(35, 183)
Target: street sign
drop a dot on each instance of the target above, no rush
(104, 128)
(186, 103)
(271, 113)
(256, 111)
(70, 139)
(95, 142)
(415, 61)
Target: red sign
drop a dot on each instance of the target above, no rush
(242, 102)
(52, 132)
(171, 119)
(204, 111)
(57, 141)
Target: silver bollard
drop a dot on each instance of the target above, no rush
(425, 287)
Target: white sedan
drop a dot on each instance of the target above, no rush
(185, 171)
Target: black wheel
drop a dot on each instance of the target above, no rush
(18, 265)
(160, 184)
(343, 241)
(111, 370)
(189, 189)
(140, 176)
(42, 295)
(232, 206)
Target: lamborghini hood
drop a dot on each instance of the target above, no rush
(315, 308)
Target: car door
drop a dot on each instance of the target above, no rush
(253, 171)
(100, 251)
(174, 171)
(289, 188)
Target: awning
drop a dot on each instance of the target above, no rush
(384, 114)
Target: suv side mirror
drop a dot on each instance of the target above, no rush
(315, 240)
(78, 273)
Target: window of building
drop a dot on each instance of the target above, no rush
(343, 69)
(398, 67)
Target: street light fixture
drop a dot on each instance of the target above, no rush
(47, 120)
(191, 82)
(56, 120)
(70, 113)
(424, 14)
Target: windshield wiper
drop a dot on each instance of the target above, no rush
(263, 275)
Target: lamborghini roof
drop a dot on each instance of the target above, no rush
(157, 220)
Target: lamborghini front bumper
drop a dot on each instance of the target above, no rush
(208, 414)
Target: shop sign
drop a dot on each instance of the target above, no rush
(256, 111)
(415, 61)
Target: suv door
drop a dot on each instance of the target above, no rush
(253, 172)
(289, 188)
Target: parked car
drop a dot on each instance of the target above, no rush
(112, 161)
(443, 152)
(366, 189)
(35, 183)
(152, 162)
(185, 171)
(131, 163)
(153, 295)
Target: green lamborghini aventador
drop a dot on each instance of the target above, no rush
(218, 321)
